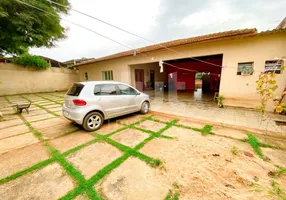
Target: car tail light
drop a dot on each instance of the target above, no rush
(79, 102)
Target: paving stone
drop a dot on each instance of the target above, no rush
(151, 125)
(70, 141)
(34, 113)
(179, 132)
(233, 133)
(55, 127)
(191, 124)
(31, 118)
(91, 159)
(17, 142)
(10, 123)
(23, 158)
(130, 137)
(278, 157)
(130, 119)
(109, 127)
(58, 130)
(52, 106)
(133, 179)
(50, 182)
(14, 130)
(162, 118)
(56, 109)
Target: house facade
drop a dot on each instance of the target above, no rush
(230, 62)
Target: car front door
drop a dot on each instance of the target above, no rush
(108, 99)
(128, 98)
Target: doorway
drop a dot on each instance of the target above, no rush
(152, 79)
(139, 79)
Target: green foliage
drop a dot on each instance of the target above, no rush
(255, 145)
(220, 99)
(266, 86)
(172, 196)
(199, 75)
(23, 27)
(30, 60)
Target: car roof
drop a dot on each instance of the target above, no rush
(100, 82)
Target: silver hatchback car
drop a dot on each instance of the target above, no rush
(90, 103)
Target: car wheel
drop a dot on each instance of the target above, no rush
(144, 107)
(93, 121)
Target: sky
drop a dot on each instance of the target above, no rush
(157, 20)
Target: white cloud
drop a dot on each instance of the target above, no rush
(159, 20)
(217, 12)
(134, 16)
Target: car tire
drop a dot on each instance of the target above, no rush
(145, 107)
(92, 121)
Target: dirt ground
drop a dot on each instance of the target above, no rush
(44, 156)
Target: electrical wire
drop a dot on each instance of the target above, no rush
(79, 25)
(144, 54)
(136, 35)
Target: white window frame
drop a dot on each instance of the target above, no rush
(107, 75)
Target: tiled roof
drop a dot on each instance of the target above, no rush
(192, 40)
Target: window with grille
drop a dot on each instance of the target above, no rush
(107, 75)
(245, 68)
(273, 66)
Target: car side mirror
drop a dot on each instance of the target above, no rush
(138, 93)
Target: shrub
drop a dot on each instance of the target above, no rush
(30, 60)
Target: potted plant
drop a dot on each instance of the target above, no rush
(220, 101)
(148, 84)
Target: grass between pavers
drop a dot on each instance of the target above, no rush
(85, 186)
(48, 99)
(206, 130)
(255, 144)
(41, 107)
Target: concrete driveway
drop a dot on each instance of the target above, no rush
(44, 156)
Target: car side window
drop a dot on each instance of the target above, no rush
(108, 89)
(97, 90)
(125, 90)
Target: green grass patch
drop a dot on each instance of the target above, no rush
(206, 130)
(172, 196)
(253, 141)
(159, 121)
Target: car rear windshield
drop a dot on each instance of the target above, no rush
(75, 89)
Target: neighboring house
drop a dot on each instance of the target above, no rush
(53, 63)
(73, 62)
(282, 24)
(244, 54)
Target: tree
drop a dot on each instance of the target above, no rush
(22, 26)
